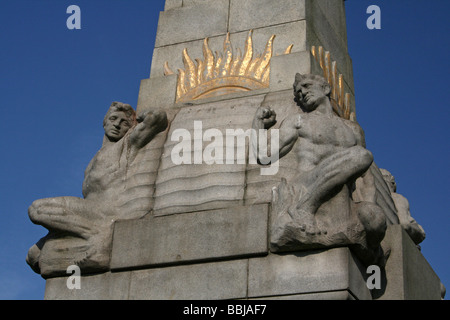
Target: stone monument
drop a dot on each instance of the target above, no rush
(250, 181)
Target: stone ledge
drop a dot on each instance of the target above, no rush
(331, 295)
(190, 237)
(307, 273)
(314, 275)
(207, 281)
(106, 286)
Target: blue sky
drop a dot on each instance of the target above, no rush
(56, 85)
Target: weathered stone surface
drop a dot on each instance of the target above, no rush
(293, 33)
(282, 72)
(181, 238)
(159, 92)
(106, 286)
(307, 272)
(320, 31)
(334, 12)
(327, 274)
(195, 2)
(172, 4)
(208, 281)
(252, 14)
(192, 23)
(407, 275)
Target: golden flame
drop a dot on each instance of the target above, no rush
(219, 74)
(339, 99)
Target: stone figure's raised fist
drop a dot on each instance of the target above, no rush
(153, 118)
(267, 115)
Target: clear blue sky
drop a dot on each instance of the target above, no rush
(56, 85)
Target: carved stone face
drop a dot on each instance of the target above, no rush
(116, 125)
(389, 179)
(310, 93)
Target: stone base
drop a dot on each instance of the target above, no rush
(252, 272)
(315, 275)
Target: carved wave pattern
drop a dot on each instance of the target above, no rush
(136, 199)
(192, 187)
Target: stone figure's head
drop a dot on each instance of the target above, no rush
(118, 120)
(389, 179)
(311, 91)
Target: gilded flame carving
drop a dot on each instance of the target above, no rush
(339, 99)
(224, 73)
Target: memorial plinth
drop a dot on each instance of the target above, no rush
(222, 229)
(332, 274)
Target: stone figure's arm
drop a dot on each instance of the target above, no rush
(85, 187)
(265, 118)
(289, 134)
(150, 123)
(415, 231)
(359, 133)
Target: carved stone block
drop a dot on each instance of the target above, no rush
(308, 272)
(252, 14)
(208, 281)
(188, 237)
(196, 22)
(106, 286)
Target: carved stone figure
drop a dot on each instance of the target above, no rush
(314, 209)
(80, 230)
(414, 230)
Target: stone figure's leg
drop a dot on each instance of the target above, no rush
(34, 254)
(67, 214)
(330, 175)
(374, 221)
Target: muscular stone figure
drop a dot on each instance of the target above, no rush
(315, 209)
(330, 150)
(105, 178)
(408, 223)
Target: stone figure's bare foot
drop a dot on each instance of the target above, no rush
(306, 221)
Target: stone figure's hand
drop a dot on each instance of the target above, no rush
(153, 118)
(267, 116)
(144, 115)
